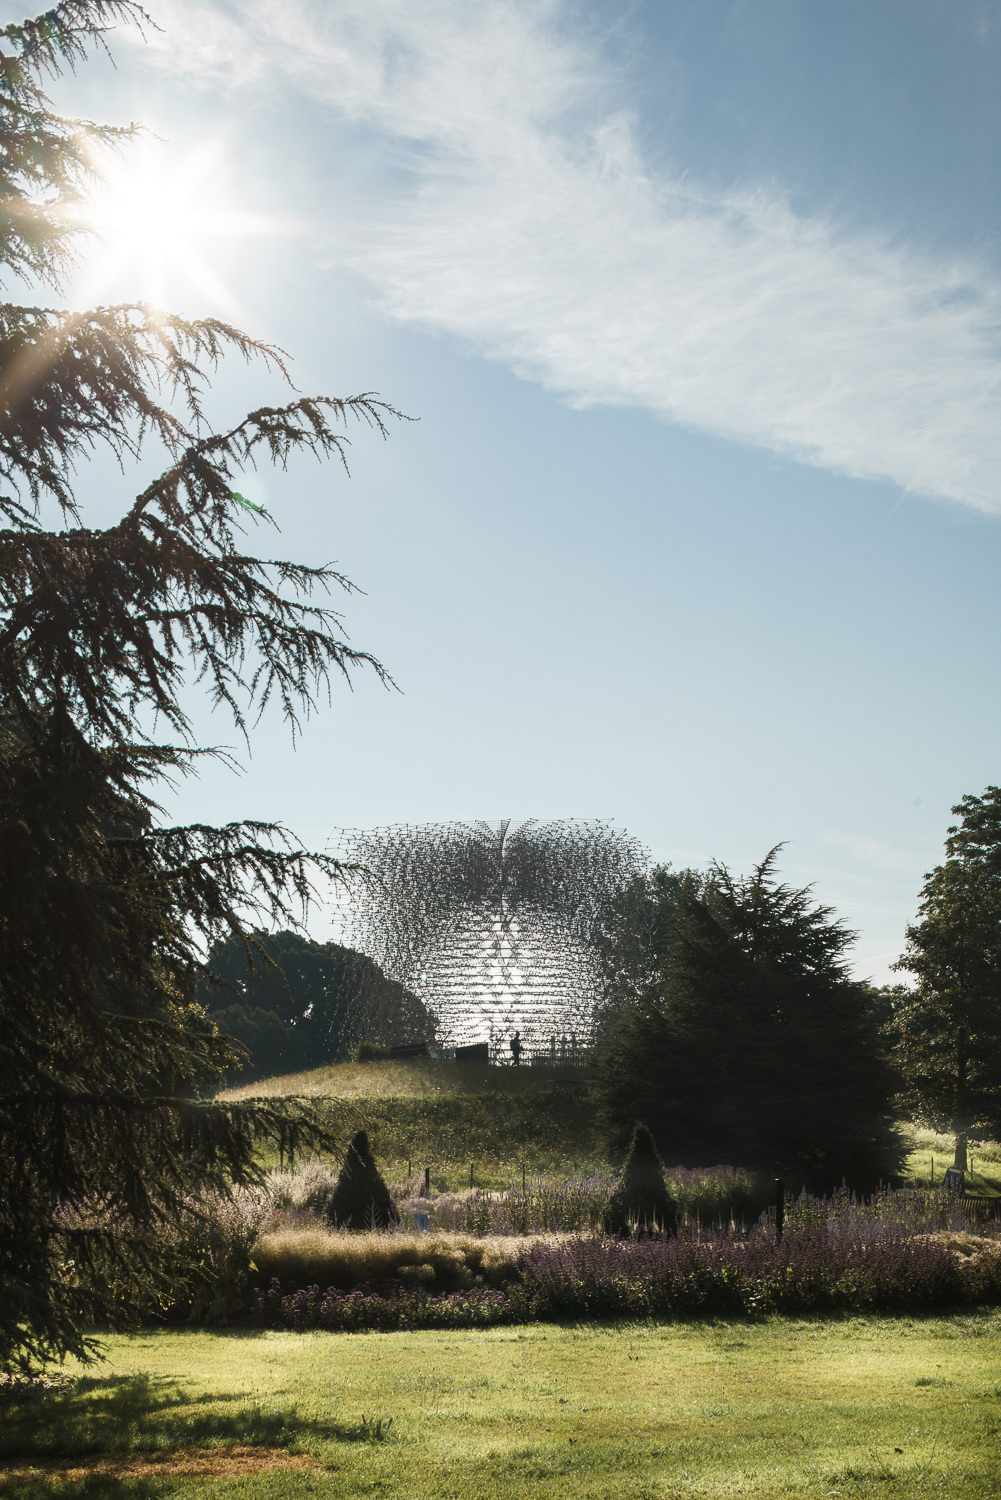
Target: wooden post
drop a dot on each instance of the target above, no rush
(426, 1186)
(780, 1207)
(523, 1187)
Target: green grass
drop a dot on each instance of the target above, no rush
(414, 1076)
(451, 1117)
(931, 1153)
(786, 1407)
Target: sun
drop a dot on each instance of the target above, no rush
(167, 229)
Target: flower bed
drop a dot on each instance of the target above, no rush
(590, 1276)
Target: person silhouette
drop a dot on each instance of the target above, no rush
(516, 1048)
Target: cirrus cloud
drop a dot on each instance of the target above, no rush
(526, 223)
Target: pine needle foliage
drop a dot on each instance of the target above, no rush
(641, 1201)
(107, 1065)
(747, 1040)
(361, 1199)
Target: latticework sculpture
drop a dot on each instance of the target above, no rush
(493, 926)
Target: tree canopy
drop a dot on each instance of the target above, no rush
(946, 1030)
(107, 1063)
(299, 1004)
(746, 1040)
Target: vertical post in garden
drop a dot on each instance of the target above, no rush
(523, 1187)
(426, 1186)
(780, 1207)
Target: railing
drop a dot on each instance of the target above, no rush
(563, 1054)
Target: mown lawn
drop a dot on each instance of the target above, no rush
(786, 1407)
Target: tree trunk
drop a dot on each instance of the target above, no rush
(962, 1124)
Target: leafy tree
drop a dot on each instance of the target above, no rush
(304, 1003)
(107, 1065)
(946, 1031)
(641, 1197)
(749, 1042)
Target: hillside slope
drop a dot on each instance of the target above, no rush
(451, 1117)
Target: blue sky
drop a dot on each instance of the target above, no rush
(698, 306)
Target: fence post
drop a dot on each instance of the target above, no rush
(426, 1188)
(780, 1207)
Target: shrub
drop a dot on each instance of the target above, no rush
(369, 1052)
(641, 1200)
(361, 1199)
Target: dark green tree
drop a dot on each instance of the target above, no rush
(107, 1065)
(295, 1003)
(946, 1030)
(751, 1044)
(360, 1198)
(641, 1200)
(633, 941)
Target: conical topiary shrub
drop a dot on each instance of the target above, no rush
(641, 1200)
(361, 1199)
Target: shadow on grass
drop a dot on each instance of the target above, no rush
(94, 1487)
(133, 1414)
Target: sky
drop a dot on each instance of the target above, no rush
(694, 313)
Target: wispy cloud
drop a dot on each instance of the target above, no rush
(530, 227)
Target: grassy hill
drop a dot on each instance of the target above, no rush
(452, 1116)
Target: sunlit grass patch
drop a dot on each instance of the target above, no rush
(930, 1153)
(784, 1407)
(456, 1119)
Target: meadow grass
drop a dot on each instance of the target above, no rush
(451, 1117)
(409, 1077)
(858, 1407)
(930, 1153)
(459, 1120)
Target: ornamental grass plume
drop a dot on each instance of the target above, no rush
(361, 1199)
(442, 1262)
(641, 1202)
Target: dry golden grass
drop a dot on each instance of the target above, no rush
(440, 1261)
(201, 1463)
